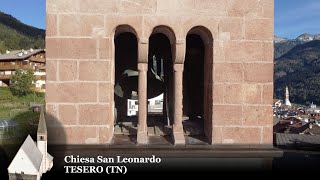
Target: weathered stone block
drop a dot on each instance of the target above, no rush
(233, 26)
(105, 134)
(267, 95)
(94, 71)
(243, 51)
(105, 92)
(52, 112)
(86, 92)
(137, 6)
(68, 70)
(105, 48)
(51, 70)
(72, 135)
(62, 6)
(244, 8)
(257, 115)
(268, 51)
(251, 93)
(241, 135)
(267, 135)
(233, 94)
(259, 29)
(98, 6)
(218, 93)
(68, 114)
(79, 25)
(51, 24)
(94, 114)
(225, 115)
(71, 48)
(217, 135)
(228, 72)
(268, 8)
(258, 73)
(65, 92)
(211, 8)
(71, 92)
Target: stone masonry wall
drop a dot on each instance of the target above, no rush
(80, 63)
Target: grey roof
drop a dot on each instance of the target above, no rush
(27, 157)
(297, 140)
(49, 157)
(314, 130)
(42, 127)
(7, 123)
(14, 54)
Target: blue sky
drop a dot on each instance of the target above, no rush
(292, 17)
(31, 12)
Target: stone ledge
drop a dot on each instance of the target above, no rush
(200, 151)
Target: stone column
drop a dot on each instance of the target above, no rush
(178, 135)
(142, 136)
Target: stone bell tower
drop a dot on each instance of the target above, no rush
(42, 143)
(217, 60)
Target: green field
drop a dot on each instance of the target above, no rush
(18, 108)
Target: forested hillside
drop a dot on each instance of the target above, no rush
(300, 70)
(16, 35)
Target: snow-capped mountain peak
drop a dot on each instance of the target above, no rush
(278, 39)
(308, 37)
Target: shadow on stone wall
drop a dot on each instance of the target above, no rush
(56, 145)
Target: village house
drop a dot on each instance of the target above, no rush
(277, 103)
(33, 59)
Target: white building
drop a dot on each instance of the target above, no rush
(287, 101)
(32, 159)
(313, 109)
(40, 83)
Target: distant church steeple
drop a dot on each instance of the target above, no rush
(287, 101)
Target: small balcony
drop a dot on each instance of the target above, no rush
(5, 76)
(13, 67)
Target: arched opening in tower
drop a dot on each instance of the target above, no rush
(160, 85)
(126, 84)
(193, 87)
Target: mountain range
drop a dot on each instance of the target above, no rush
(297, 65)
(284, 45)
(16, 35)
